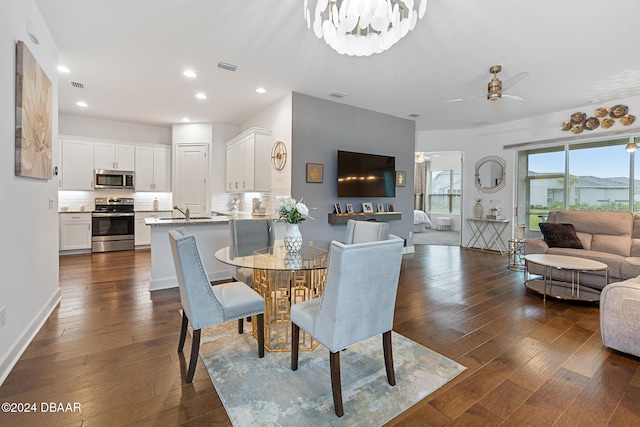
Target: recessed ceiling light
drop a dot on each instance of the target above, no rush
(415, 115)
(201, 95)
(189, 73)
(186, 119)
(63, 69)
(261, 90)
(82, 104)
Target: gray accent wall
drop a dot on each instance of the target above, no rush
(320, 129)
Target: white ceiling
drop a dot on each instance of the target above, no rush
(130, 54)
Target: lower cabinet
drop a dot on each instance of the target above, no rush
(75, 231)
(143, 231)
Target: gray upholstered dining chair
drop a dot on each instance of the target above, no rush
(206, 305)
(365, 231)
(248, 235)
(358, 302)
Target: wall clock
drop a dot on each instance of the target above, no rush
(279, 155)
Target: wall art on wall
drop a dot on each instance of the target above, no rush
(314, 172)
(34, 104)
(401, 179)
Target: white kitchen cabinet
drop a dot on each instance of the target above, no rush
(75, 231)
(248, 161)
(152, 168)
(77, 164)
(114, 156)
(141, 230)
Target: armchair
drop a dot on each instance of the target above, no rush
(206, 305)
(358, 303)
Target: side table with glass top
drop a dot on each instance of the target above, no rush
(282, 279)
(516, 254)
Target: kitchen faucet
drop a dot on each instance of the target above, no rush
(185, 213)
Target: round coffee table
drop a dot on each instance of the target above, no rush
(564, 290)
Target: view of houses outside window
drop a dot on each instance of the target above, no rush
(589, 176)
(445, 188)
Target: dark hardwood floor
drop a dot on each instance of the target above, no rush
(111, 347)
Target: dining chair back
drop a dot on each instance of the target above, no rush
(358, 303)
(248, 235)
(206, 305)
(365, 231)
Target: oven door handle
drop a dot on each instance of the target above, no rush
(115, 214)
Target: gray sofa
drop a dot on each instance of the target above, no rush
(609, 237)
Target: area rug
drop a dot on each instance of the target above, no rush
(265, 392)
(437, 237)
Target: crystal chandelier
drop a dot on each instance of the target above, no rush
(363, 27)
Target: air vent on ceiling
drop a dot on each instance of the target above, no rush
(480, 123)
(226, 66)
(77, 85)
(337, 94)
(415, 115)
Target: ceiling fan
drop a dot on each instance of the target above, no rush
(496, 88)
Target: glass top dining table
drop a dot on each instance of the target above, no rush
(282, 278)
(312, 256)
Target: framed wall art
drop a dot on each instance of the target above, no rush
(314, 172)
(34, 104)
(401, 179)
(367, 208)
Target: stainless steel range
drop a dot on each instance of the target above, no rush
(112, 225)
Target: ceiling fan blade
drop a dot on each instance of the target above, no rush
(464, 99)
(513, 80)
(513, 97)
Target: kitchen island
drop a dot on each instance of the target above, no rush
(212, 233)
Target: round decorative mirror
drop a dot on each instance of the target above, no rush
(490, 174)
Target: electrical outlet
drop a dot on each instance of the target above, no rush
(2, 316)
(51, 202)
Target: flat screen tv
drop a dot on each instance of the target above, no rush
(366, 175)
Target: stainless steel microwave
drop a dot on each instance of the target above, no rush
(113, 179)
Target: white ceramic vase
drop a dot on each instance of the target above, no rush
(477, 210)
(292, 238)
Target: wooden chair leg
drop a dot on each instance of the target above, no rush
(388, 357)
(295, 344)
(336, 386)
(195, 348)
(183, 331)
(240, 326)
(260, 328)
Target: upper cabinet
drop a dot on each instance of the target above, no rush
(152, 167)
(77, 164)
(114, 156)
(248, 161)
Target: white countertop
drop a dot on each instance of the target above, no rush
(196, 220)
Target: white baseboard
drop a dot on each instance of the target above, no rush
(11, 357)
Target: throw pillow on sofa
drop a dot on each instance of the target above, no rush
(560, 235)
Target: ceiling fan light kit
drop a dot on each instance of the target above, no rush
(362, 27)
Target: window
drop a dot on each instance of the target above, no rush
(588, 176)
(445, 187)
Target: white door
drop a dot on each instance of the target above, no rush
(191, 172)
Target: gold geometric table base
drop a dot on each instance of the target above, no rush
(281, 289)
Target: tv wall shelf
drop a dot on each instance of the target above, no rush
(375, 216)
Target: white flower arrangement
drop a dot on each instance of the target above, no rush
(291, 211)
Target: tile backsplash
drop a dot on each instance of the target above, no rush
(142, 201)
